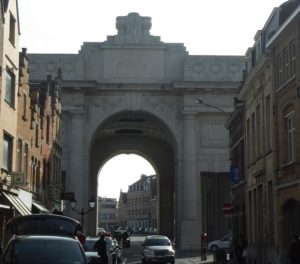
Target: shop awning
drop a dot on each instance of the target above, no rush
(41, 207)
(17, 203)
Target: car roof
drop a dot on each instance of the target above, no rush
(44, 224)
(44, 237)
(157, 237)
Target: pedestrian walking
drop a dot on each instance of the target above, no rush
(240, 249)
(294, 252)
(101, 248)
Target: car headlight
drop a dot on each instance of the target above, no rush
(148, 252)
(172, 252)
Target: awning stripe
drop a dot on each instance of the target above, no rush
(17, 203)
(3, 206)
(41, 207)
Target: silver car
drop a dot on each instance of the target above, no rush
(157, 248)
(223, 243)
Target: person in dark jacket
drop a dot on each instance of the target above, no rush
(101, 248)
(294, 252)
(240, 249)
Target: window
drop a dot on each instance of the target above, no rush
(280, 70)
(248, 142)
(48, 129)
(286, 65)
(268, 122)
(293, 57)
(25, 160)
(24, 106)
(258, 132)
(10, 88)
(7, 152)
(36, 135)
(253, 136)
(290, 133)
(20, 146)
(12, 29)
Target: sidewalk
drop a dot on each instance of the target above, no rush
(195, 258)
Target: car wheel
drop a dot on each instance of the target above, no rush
(214, 248)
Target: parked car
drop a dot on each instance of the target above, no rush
(100, 230)
(43, 239)
(223, 243)
(43, 224)
(41, 249)
(114, 253)
(157, 248)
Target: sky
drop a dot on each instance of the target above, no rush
(121, 171)
(205, 27)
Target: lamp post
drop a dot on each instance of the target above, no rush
(82, 212)
(200, 101)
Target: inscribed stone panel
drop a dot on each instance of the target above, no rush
(134, 65)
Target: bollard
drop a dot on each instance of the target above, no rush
(203, 239)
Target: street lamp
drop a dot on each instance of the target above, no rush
(82, 212)
(200, 101)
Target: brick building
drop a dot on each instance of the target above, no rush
(269, 97)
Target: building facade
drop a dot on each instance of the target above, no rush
(269, 105)
(284, 46)
(141, 203)
(122, 209)
(9, 81)
(237, 204)
(107, 213)
(30, 118)
(39, 145)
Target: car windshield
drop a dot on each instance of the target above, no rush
(44, 225)
(157, 242)
(89, 244)
(45, 252)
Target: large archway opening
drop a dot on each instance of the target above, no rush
(146, 135)
(127, 194)
(121, 171)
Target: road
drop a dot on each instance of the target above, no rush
(132, 255)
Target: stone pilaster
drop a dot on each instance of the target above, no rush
(190, 188)
(76, 172)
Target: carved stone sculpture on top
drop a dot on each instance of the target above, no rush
(133, 29)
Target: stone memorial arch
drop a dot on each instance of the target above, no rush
(134, 93)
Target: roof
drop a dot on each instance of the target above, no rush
(44, 224)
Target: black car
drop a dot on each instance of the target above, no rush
(43, 224)
(114, 250)
(122, 237)
(43, 239)
(41, 249)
